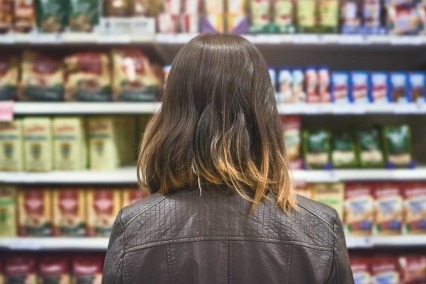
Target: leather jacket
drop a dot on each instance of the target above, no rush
(209, 236)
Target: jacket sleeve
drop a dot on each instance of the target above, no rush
(115, 253)
(341, 272)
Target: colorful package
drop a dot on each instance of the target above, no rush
(51, 15)
(380, 87)
(331, 194)
(292, 137)
(359, 87)
(340, 82)
(415, 208)
(359, 209)
(328, 16)
(413, 268)
(285, 82)
(130, 196)
(87, 268)
(304, 189)
(306, 15)
(260, 16)
(20, 268)
(273, 75)
(399, 87)
(83, 15)
(350, 16)
(324, 84)
(370, 148)
(298, 78)
(283, 16)
(54, 268)
(397, 145)
(385, 270)
(361, 270)
(372, 16)
(6, 16)
(9, 75)
(11, 146)
(343, 150)
(213, 20)
(42, 78)
(69, 212)
(37, 144)
(24, 16)
(403, 19)
(117, 8)
(8, 216)
(103, 207)
(389, 209)
(316, 148)
(311, 85)
(417, 87)
(35, 212)
(236, 18)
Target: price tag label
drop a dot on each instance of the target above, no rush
(6, 111)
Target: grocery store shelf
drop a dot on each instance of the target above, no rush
(102, 243)
(128, 176)
(26, 108)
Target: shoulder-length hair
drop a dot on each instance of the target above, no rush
(218, 124)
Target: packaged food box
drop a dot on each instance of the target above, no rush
(403, 19)
(214, 16)
(54, 268)
(380, 87)
(9, 75)
(24, 16)
(69, 143)
(324, 84)
(304, 189)
(103, 207)
(83, 15)
(88, 77)
(397, 145)
(311, 85)
(350, 16)
(130, 196)
(237, 19)
(316, 148)
(328, 16)
(399, 91)
(298, 80)
(35, 212)
(389, 207)
(331, 194)
(340, 83)
(359, 87)
(359, 209)
(385, 269)
(417, 86)
(69, 212)
(8, 217)
(413, 268)
(285, 83)
(306, 15)
(11, 146)
(51, 15)
(361, 270)
(87, 268)
(21, 268)
(6, 16)
(370, 149)
(372, 10)
(343, 150)
(37, 144)
(260, 16)
(293, 140)
(42, 78)
(283, 16)
(415, 208)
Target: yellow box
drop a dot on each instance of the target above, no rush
(11, 146)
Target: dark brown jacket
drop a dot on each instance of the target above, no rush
(188, 237)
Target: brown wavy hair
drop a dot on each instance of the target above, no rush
(218, 124)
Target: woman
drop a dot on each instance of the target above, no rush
(222, 208)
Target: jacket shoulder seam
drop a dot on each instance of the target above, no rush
(143, 211)
(316, 215)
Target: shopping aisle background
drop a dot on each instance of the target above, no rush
(80, 79)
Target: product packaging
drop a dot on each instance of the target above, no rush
(126, 139)
(37, 144)
(359, 209)
(370, 149)
(372, 10)
(298, 79)
(236, 19)
(413, 268)
(307, 16)
(51, 15)
(35, 212)
(88, 77)
(380, 87)
(388, 209)
(340, 83)
(311, 85)
(328, 16)
(361, 269)
(417, 87)
(24, 16)
(415, 208)
(103, 207)
(403, 19)
(6, 16)
(83, 15)
(69, 212)
(316, 148)
(21, 268)
(260, 16)
(130, 196)
(54, 268)
(343, 150)
(359, 87)
(324, 84)
(214, 17)
(397, 145)
(117, 8)
(11, 146)
(283, 16)
(331, 194)
(8, 216)
(87, 268)
(350, 16)
(292, 137)
(304, 189)
(385, 269)
(9, 75)
(285, 84)
(399, 91)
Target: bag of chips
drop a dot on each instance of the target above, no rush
(51, 15)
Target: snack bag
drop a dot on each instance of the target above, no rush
(385, 270)
(69, 143)
(24, 16)
(285, 82)
(134, 77)
(397, 142)
(389, 209)
(69, 212)
(87, 268)
(88, 77)
(130, 196)
(316, 148)
(343, 153)
(413, 268)
(324, 84)
(417, 87)
(37, 144)
(311, 85)
(260, 16)
(283, 16)
(380, 88)
(399, 87)
(51, 15)
(328, 16)
(6, 16)
(35, 212)
(350, 16)
(41, 78)
(340, 87)
(54, 268)
(371, 15)
(292, 137)
(359, 209)
(11, 146)
(103, 207)
(370, 150)
(9, 75)
(359, 87)
(403, 19)
(415, 208)
(8, 216)
(83, 15)
(361, 270)
(20, 268)
(306, 15)
(298, 77)
(331, 194)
